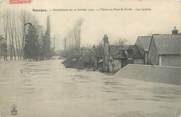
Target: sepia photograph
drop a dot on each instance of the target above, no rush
(90, 58)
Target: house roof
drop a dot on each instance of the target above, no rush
(143, 42)
(117, 51)
(168, 44)
(123, 52)
(134, 52)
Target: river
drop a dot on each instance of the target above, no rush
(48, 89)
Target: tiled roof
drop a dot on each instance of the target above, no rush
(117, 52)
(134, 52)
(168, 44)
(143, 42)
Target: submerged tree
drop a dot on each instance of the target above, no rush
(31, 48)
(24, 36)
(13, 31)
(3, 48)
(46, 49)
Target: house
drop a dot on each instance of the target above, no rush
(110, 58)
(134, 55)
(115, 57)
(165, 50)
(143, 44)
(118, 57)
(122, 55)
(161, 49)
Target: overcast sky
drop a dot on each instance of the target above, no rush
(117, 24)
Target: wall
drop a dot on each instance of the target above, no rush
(139, 61)
(153, 73)
(170, 60)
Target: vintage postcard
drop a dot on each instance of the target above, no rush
(90, 58)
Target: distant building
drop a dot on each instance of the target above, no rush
(118, 57)
(110, 58)
(134, 55)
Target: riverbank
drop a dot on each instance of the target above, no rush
(170, 75)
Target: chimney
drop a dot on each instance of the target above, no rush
(174, 31)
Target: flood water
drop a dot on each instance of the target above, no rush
(48, 89)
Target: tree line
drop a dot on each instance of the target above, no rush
(22, 37)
